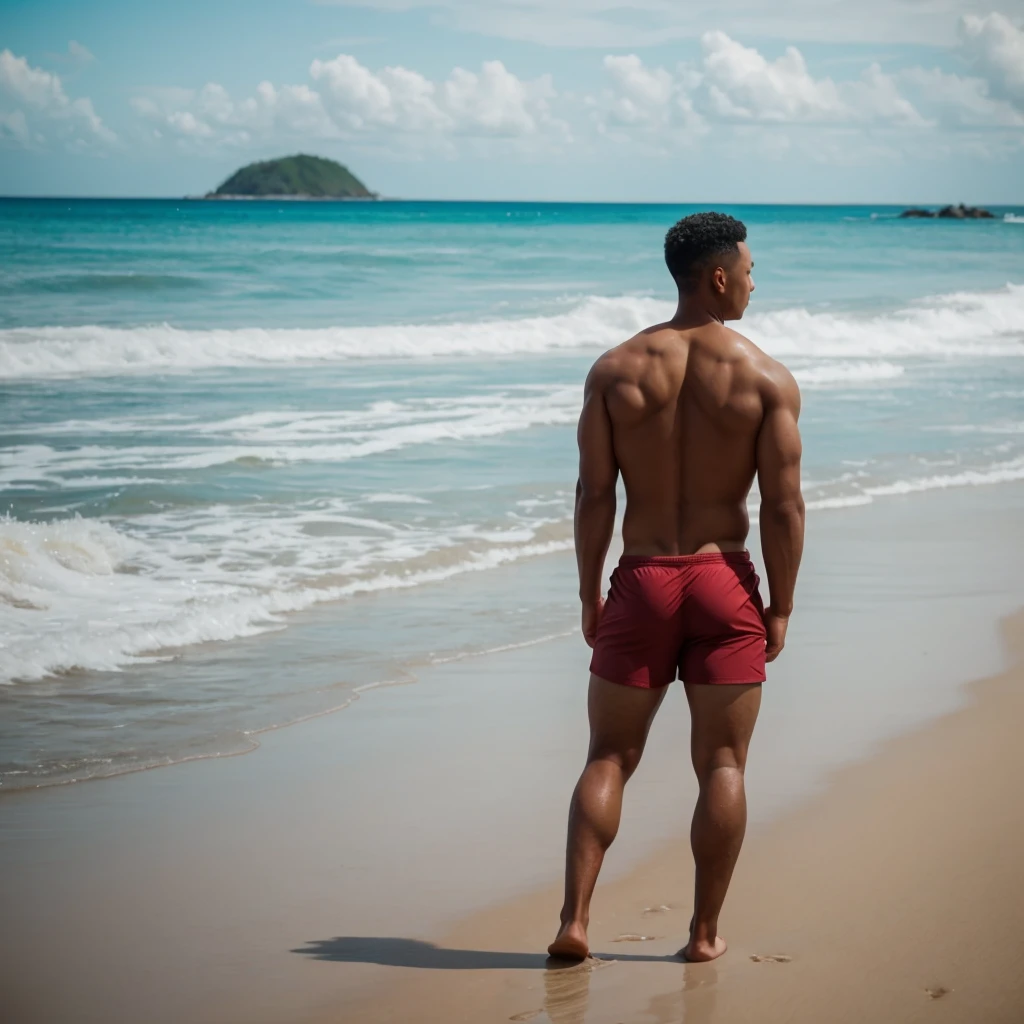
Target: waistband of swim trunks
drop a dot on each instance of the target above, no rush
(705, 557)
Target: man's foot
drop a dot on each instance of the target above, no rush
(699, 951)
(570, 943)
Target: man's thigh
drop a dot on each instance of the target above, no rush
(722, 720)
(620, 716)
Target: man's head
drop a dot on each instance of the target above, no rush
(707, 256)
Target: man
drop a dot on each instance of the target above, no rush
(688, 412)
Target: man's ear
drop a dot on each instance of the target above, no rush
(718, 280)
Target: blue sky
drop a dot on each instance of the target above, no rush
(655, 100)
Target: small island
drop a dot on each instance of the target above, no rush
(293, 177)
(960, 212)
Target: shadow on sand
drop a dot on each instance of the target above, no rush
(392, 952)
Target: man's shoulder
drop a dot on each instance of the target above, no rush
(772, 375)
(624, 361)
(605, 370)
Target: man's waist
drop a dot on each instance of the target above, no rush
(705, 557)
(637, 547)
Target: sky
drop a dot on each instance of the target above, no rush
(860, 101)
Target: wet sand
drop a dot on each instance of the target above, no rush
(397, 860)
(894, 895)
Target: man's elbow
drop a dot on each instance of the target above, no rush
(788, 509)
(591, 493)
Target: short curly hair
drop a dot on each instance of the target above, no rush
(696, 240)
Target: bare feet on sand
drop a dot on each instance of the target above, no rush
(698, 951)
(570, 943)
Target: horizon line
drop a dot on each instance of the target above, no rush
(533, 202)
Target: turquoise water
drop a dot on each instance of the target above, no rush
(201, 265)
(258, 455)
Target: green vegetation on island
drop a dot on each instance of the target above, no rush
(297, 177)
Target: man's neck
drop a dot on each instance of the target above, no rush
(695, 311)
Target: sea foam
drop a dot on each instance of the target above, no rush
(846, 373)
(277, 437)
(957, 324)
(84, 594)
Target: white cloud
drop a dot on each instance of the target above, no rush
(297, 106)
(990, 100)
(42, 94)
(395, 98)
(735, 83)
(496, 102)
(743, 85)
(650, 98)
(876, 97)
(780, 101)
(959, 102)
(14, 127)
(33, 86)
(79, 52)
(210, 115)
(995, 47)
(186, 124)
(613, 23)
(395, 104)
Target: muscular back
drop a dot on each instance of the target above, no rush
(685, 409)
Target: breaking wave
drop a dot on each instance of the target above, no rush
(958, 324)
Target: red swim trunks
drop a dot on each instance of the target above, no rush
(700, 615)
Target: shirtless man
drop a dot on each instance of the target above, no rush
(689, 412)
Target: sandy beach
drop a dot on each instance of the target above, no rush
(400, 859)
(895, 889)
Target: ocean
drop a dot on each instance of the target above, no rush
(258, 458)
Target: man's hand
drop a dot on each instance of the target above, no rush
(592, 612)
(775, 627)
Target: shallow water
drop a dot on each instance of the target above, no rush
(219, 417)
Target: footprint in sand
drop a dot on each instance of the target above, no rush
(631, 937)
(775, 958)
(938, 992)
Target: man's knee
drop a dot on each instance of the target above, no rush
(626, 758)
(712, 759)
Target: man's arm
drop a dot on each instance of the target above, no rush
(595, 500)
(782, 505)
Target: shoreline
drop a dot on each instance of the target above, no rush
(444, 802)
(542, 571)
(252, 736)
(897, 848)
